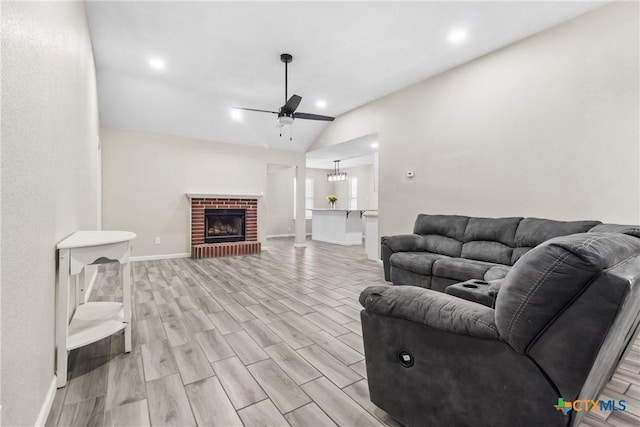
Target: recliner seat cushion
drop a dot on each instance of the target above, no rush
(494, 252)
(496, 272)
(417, 262)
(461, 269)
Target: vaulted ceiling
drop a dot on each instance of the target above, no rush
(211, 56)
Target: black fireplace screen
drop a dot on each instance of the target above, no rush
(224, 225)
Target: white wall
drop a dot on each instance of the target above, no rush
(546, 127)
(49, 151)
(341, 191)
(367, 198)
(279, 201)
(321, 187)
(145, 178)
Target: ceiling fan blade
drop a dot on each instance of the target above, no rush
(253, 109)
(313, 117)
(291, 104)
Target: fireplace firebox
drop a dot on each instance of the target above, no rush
(224, 225)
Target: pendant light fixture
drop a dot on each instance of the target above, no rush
(336, 175)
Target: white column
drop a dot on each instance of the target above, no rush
(301, 227)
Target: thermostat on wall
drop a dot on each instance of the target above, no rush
(411, 174)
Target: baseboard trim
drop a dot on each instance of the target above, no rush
(335, 242)
(90, 287)
(48, 402)
(155, 257)
(299, 245)
(284, 235)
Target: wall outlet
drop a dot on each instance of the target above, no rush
(157, 240)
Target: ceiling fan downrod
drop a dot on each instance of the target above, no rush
(286, 58)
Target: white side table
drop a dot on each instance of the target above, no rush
(92, 321)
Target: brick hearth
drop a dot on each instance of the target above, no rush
(200, 249)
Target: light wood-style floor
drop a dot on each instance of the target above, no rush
(261, 340)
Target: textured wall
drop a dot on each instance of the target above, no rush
(546, 127)
(49, 150)
(279, 201)
(145, 178)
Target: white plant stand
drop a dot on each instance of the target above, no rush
(92, 321)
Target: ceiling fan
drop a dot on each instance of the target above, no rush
(287, 113)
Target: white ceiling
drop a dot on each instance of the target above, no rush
(224, 54)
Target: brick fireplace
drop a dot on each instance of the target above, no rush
(223, 226)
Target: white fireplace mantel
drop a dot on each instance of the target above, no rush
(222, 195)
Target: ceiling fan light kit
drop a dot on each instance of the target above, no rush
(336, 175)
(284, 120)
(287, 113)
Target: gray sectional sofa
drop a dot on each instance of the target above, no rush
(566, 313)
(448, 249)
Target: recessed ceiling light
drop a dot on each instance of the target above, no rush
(157, 64)
(236, 115)
(457, 36)
(374, 145)
(321, 103)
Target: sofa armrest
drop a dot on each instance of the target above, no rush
(404, 243)
(430, 308)
(399, 243)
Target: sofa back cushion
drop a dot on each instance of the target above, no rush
(443, 233)
(490, 239)
(533, 231)
(589, 337)
(498, 240)
(551, 277)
